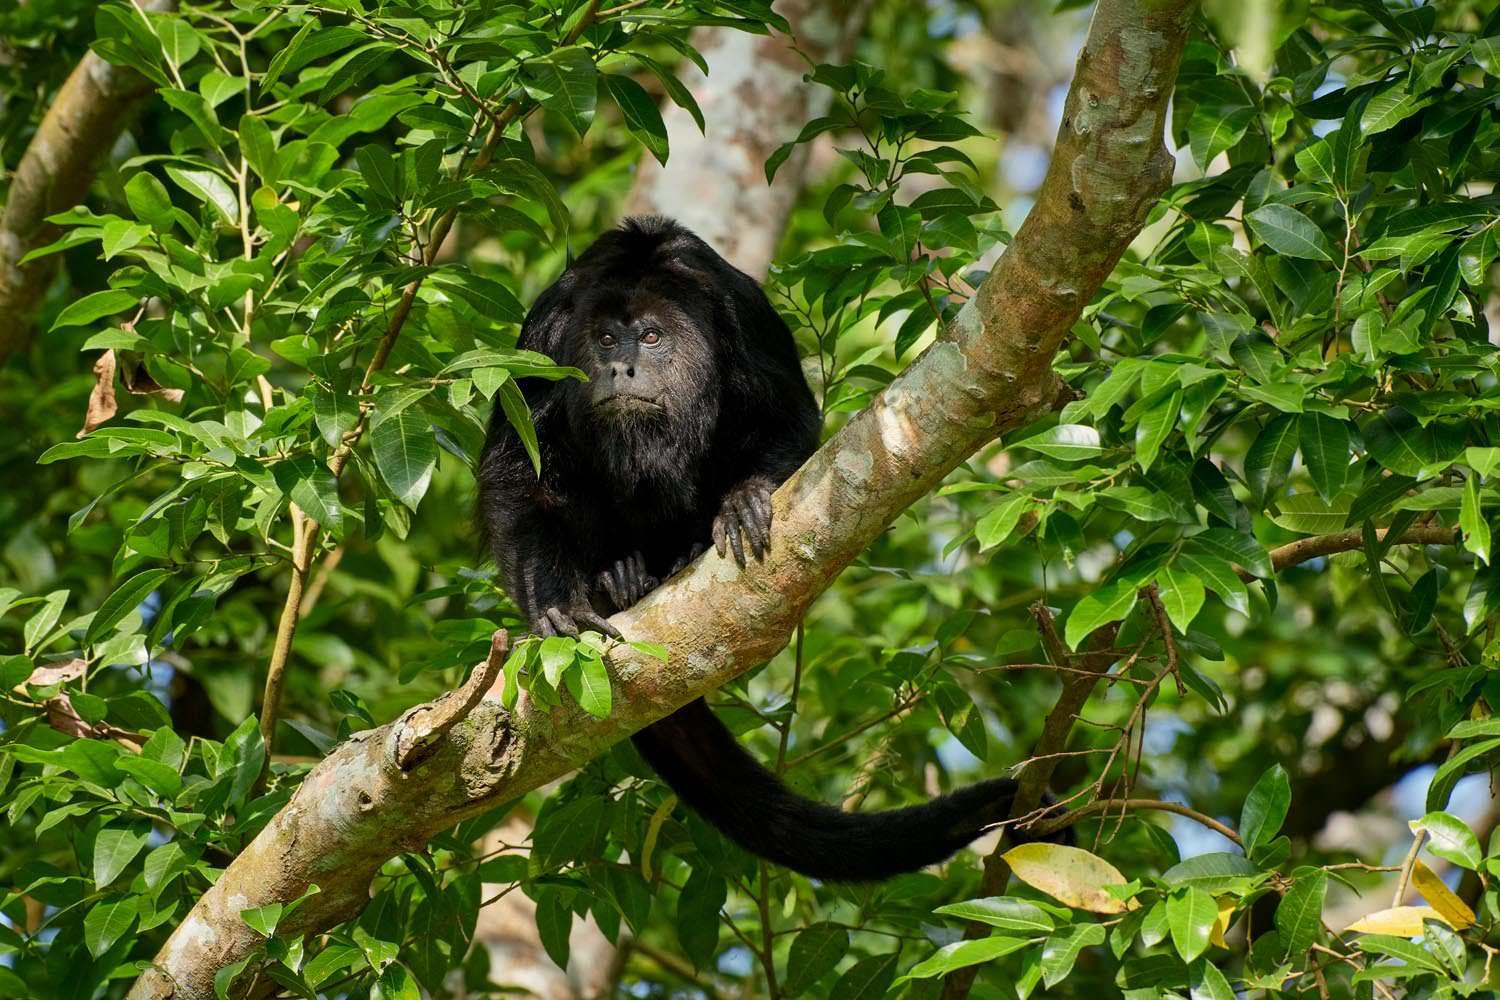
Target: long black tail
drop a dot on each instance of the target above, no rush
(699, 758)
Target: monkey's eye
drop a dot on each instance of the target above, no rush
(607, 340)
(650, 338)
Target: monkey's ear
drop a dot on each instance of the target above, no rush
(546, 327)
(753, 334)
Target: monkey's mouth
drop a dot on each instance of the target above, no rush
(630, 404)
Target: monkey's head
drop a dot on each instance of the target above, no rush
(646, 344)
(647, 313)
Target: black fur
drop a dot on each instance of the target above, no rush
(666, 448)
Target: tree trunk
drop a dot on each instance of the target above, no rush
(753, 100)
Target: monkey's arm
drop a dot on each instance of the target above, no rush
(778, 444)
(539, 550)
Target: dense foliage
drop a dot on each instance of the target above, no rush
(1260, 534)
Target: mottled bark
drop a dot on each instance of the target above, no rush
(83, 122)
(988, 373)
(753, 100)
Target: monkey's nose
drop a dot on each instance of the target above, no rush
(616, 370)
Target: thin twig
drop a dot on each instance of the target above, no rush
(1408, 866)
(1127, 805)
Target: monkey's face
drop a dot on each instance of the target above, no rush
(648, 359)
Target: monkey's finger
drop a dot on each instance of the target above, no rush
(611, 588)
(599, 624)
(719, 535)
(636, 566)
(543, 628)
(622, 584)
(732, 528)
(562, 622)
(760, 517)
(750, 525)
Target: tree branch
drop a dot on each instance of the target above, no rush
(990, 372)
(1303, 549)
(1125, 805)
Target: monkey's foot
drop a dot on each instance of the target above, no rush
(627, 581)
(745, 518)
(570, 620)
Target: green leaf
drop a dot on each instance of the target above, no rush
(1289, 232)
(592, 693)
(565, 81)
(1452, 840)
(1068, 442)
(1215, 873)
(1398, 441)
(309, 484)
(405, 454)
(179, 42)
(519, 416)
(95, 306)
(1154, 427)
(1389, 108)
(997, 523)
(382, 175)
(209, 187)
(640, 113)
(114, 849)
(1182, 594)
(125, 599)
(1206, 982)
(1309, 515)
(1191, 913)
(1269, 460)
(698, 916)
(263, 919)
(1213, 129)
(1004, 912)
(1235, 547)
(1062, 949)
(1299, 916)
(106, 922)
(39, 626)
(868, 979)
(1325, 450)
(962, 954)
(491, 300)
(1103, 605)
(1265, 808)
(675, 89)
(1472, 522)
(815, 952)
(335, 413)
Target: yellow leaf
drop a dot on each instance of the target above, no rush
(1452, 909)
(1070, 875)
(1401, 921)
(1221, 923)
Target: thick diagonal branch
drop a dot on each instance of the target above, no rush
(990, 372)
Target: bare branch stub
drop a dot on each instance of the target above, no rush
(418, 731)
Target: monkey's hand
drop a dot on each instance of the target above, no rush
(745, 519)
(570, 619)
(627, 581)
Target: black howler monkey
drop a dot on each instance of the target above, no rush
(695, 410)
